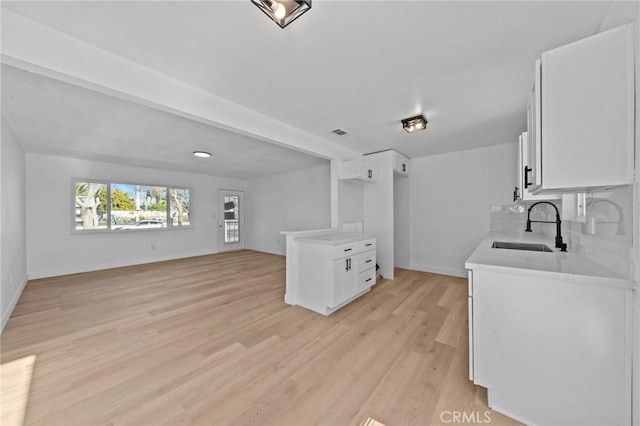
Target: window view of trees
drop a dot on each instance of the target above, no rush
(119, 206)
(179, 206)
(90, 205)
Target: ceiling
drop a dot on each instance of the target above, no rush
(53, 117)
(360, 66)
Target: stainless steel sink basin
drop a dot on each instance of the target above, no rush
(521, 246)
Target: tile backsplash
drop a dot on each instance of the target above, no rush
(513, 218)
(604, 235)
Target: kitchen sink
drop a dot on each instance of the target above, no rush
(521, 246)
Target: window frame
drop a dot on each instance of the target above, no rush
(109, 229)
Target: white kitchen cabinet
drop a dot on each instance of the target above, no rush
(522, 190)
(386, 210)
(581, 115)
(549, 349)
(401, 164)
(532, 149)
(358, 170)
(517, 189)
(333, 269)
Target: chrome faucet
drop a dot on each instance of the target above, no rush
(559, 244)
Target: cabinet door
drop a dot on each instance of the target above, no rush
(533, 160)
(587, 112)
(470, 322)
(517, 192)
(366, 172)
(574, 361)
(526, 162)
(359, 170)
(400, 164)
(344, 281)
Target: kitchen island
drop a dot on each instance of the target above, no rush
(329, 269)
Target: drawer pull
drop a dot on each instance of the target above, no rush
(368, 279)
(349, 249)
(368, 244)
(369, 261)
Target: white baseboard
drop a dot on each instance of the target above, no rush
(462, 273)
(14, 301)
(279, 252)
(290, 299)
(101, 266)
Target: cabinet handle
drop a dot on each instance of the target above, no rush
(368, 244)
(369, 261)
(346, 263)
(370, 174)
(527, 169)
(368, 279)
(349, 249)
(404, 167)
(515, 194)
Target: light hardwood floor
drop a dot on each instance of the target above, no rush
(208, 340)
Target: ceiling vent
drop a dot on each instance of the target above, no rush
(339, 132)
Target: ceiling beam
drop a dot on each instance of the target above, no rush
(37, 48)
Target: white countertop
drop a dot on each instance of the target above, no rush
(335, 237)
(569, 265)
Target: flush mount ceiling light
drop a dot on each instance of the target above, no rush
(413, 124)
(202, 154)
(283, 12)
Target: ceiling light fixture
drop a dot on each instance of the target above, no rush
(202, 154)
(413, 124)
(283, 12)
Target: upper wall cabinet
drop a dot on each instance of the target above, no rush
(359, 170)
(400, 164)
(524, 183)
(581, 114)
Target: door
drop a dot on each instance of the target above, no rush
(231, 227)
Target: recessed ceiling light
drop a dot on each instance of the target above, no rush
(202, 154)
(413, 124)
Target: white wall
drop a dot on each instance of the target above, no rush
(291, 201)
(13, 250)
(350, 201)
(52, 249)
(451, 196)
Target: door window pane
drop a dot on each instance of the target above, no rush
(231, 214)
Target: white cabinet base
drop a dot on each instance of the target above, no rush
(325, 310)
(333, 269)
(552, 350)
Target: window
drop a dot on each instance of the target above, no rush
(179, 207)
(125, 206)
(91, 205)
